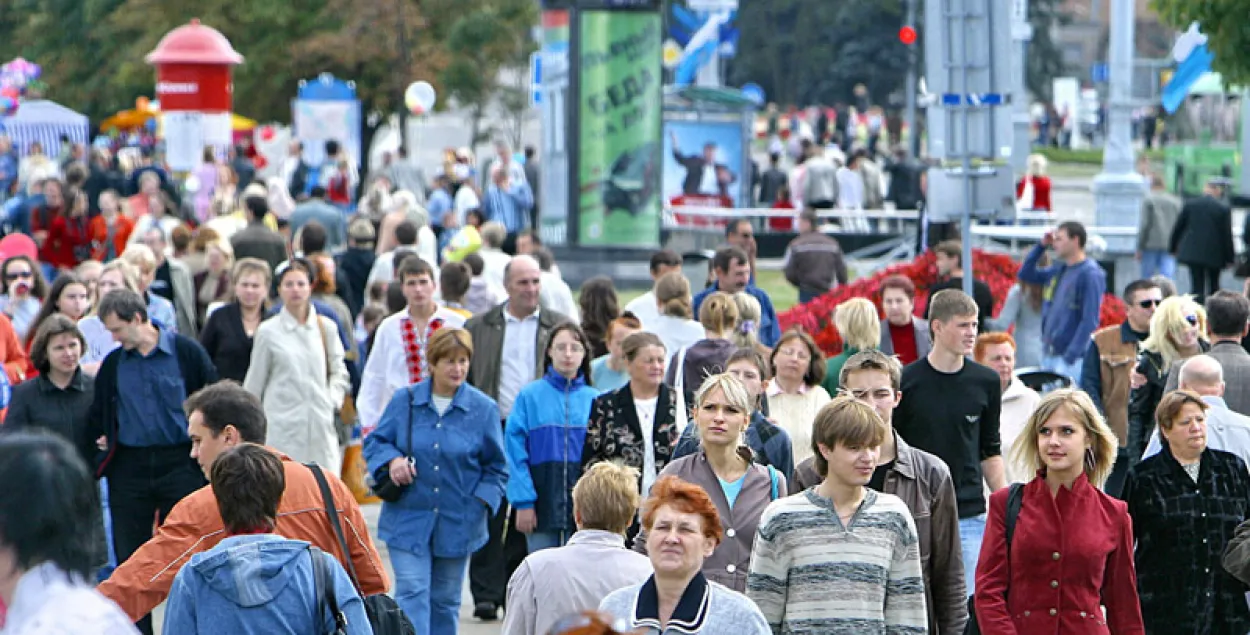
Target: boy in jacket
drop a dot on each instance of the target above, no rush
(1073, 298)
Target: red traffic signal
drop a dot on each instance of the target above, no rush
(907, 35)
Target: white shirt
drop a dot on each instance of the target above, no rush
(386, 369)
(645, 308)
(556, 295)
(646, 420)
(49, 601)
(1226, 430)
(520, 357)
(494, 262)
(708, 184)
(466, 199)
(676, 332)
(384, 266)
(850, 189)
(441, 404)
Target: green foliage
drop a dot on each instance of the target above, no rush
(1225, 24)
(1045, 61)
(1087, 157)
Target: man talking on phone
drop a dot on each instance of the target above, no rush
(1074, 287)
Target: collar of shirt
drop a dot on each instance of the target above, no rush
(164, 344)
(774, 388)
(78, 382)
(289, 322)
(689, 614)
(508, 317)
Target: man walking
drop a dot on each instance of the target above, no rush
(644, 306)
(317, 209)
(256, 240)
(813, 261)
(1074, 289)
(733, 275)
(1227, 316)
(1159, 212)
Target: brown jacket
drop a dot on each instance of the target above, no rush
(194, 525)
(814, 263)
(1116, 359)
(924, 483)
(730, 563)
(487, 331)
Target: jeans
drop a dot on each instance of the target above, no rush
(539, 540)
(805, 297)
(1056, 364)
(428, 590)
(971, 531)
(111, 552)
(1157, 261)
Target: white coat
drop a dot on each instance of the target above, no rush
(288, 373)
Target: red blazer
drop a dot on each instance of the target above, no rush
(1041, 192)
(65, 234)
(1070, 554)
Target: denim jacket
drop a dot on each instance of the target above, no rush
(461, 470)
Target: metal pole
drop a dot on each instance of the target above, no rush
(965, 236)
(914, 141)
(1021, 32)
(1118, 190)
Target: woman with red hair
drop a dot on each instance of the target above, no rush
(683, 528)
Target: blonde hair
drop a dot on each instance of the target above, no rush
(130, 278)
(1103, 444)
(1168, 322)
(140, 257)
(718, 313)
(1037, 165)
(748, 326)
(606, 497)
(446, 343)
(857, 323)
(734, 391)
(847, 421)
(249, 265)
(672, 292)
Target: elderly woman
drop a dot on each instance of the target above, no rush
(1068, 535)
(683, 530)
(1186, 502)
(212, 285)
(441, 442)
(998, 351)
(795, 394)
(723, 467)
(59, 398)
(857, 324)
(903, 335)
(1178, 330)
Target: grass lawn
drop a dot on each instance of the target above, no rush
(772, 282)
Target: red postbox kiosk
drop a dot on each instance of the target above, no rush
(193, 83)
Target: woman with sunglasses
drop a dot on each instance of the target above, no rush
(22, 293)
(1178, 331)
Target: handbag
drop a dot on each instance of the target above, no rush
(325, 596)
(383, 613)
(1015, 496)
(383, 487)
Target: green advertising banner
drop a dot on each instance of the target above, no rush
(621, 108)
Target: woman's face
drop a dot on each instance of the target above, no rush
(1188, 436)
(146, 276)
(223, 175)
(450, 372)
(647, 369)
(19, 276)
(676, 544)
(108, 203)
(1187, 336)
(295, 288)
(1061, 442)
(74, 301)
(109, 281)
(567, 353)
(52, 194)
(619, 333)
(250, 290)
(720, 422)
(749, 374)
(64, 351)
(792, 360)
(216, 259)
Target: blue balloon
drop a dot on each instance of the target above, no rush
(754, 93)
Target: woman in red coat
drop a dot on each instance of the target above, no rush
(1036, 177)
(1072, 549)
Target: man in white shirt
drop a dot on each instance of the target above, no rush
(398, 358)
(556, 294)
(644, 307)
(493, 236)
(1226, 430)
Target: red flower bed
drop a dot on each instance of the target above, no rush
(996, 270)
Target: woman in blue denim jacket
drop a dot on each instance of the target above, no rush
(441, 440)
(544, 438)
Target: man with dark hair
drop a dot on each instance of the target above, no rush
(1070, 314)
(256, 240)
(948, 256)
(644, 306)
(454, 279)
(1228, 320)
(137, 418)
(317, 209)
(220, 417)
(704, 176)
(242, 165)
(386, 265)
(1202, 238)
(772, 180)
(741, 234)
(813, 261)
(733, 273)
(1108, 366)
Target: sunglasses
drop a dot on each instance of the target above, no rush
(1146, 304)
(22, 275)
(1192, 319)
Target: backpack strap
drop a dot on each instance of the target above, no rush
(774, 482)
(332, 512)
(1015, 498)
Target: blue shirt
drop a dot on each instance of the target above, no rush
(439, 204)
(603, 378)
(150, 395)
(328, 216)
(161, 313)
(770, 331)
(511, 208)
(732, 489)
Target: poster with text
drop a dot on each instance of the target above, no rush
(619, 141)
(702, 160)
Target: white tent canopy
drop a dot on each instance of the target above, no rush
(44, 121)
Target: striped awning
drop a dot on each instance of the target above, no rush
(44, 121)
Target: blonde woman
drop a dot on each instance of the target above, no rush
(747, 332)
(1068, 535)
(675, 325)
(859, 325)
(1033, 189)
(718, 314)
(1178, 330)
(117, 274)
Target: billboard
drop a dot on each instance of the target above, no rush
(703, 160)
(620, 107)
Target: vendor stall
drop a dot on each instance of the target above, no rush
(44, 121)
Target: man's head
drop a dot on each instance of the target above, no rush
(332, 148)
(1217, 187)
(740, 234)
(361, 234)
(454, 279)
(476, 264)
(846, 437)
(312, 238)
(154, 238)
(522, 281)
(1227, 315)
(664, 261)
(527, 242)
(124, 314)
(256, 208)
(733, 269)
(406, 233)
(606, 497)
(503, 151)
(898, 298)
(949, 258)
(546, 260)
(295, 149)
(219, 417)
(1142, 297)
(808, 221)
(953, 319)
(1069, 240)
(248, 481)
(417, 278)
(709, 152)
(873, 378)
(998, 351)
(493, 234)
(1204, 375)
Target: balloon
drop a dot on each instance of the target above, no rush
(267, 133)
(420, 97)
(8, 106)
(18, 245)
(10, 91)
(142, 103)
(261, 162)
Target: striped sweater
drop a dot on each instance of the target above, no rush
(809, 575)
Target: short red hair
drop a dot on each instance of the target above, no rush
(902, 283)
(686, 498)
(986, 340)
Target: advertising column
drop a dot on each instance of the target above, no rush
(555, 108)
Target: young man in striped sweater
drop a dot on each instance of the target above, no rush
(840, 558)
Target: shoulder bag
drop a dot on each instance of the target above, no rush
(1014, 498)
(381, 484)
(326, 598)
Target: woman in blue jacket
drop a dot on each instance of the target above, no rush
(440, 440)
(545, 433)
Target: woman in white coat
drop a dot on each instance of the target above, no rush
(297, 370)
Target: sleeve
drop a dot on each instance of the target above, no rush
(1030, 272)
(208, 371)
(688, 444)
(839, 268)
(770, 332)
(490, 489)
(15, 358)
(522, 196)
(340, 379)
(370, 570)
(1093, 286)
(904, 588)
(1011, 311)
(1146, 224)
(18, 414)
(1091, 376)
(382, 445)
(946, 562)
(791, 268)
(1226, 237)
(210, 334)
(1237, 554)
(258, 367)
(993, 574)
(1178, 230)
(768, 581)
(1119, 583)
(521, 616)
(521, 492)
(781, 454)
(373, 383)
(180, 611)
(1174, 378)
(350, 604)
(991, 441)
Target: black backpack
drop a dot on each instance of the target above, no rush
(384, 614)
(1014, 498)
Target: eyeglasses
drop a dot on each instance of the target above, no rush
(16, 275)
(1146, 304)
(1192, 319)
(570, 349)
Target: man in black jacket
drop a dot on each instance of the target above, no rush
(814, 261)
(257, 240)
(1202, 238)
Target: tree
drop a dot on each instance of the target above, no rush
(1224, 24)
(1045, 61)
